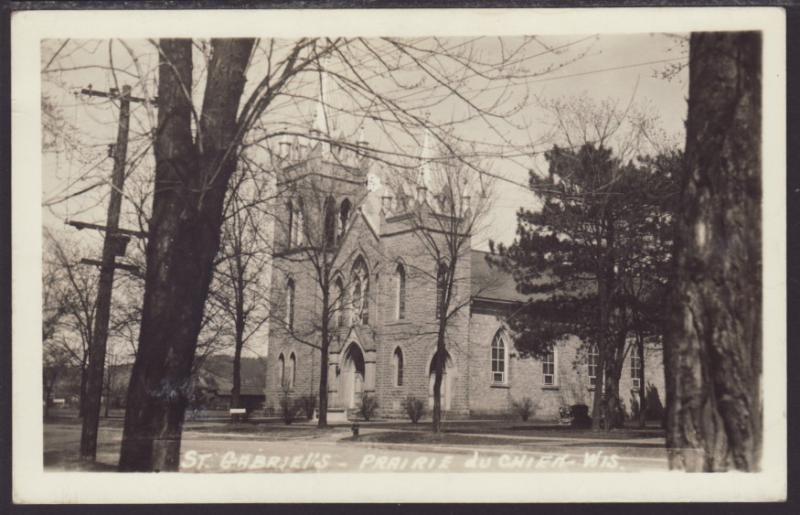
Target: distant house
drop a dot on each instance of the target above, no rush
(215, 380)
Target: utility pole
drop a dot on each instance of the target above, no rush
(114, 244)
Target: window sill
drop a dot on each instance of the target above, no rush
(503, 386)
(397, 322)
(551, 387)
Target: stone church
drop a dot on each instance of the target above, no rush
(383, 294)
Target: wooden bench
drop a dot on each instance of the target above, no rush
(238, 414)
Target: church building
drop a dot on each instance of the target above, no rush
(336, 210)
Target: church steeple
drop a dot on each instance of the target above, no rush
(322, 124)
(424, 173)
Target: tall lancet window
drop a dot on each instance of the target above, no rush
(499, 359)
(398, 367)
(299, 223)
(400, 277)
(290, 226)
(360, 299)
(338, 302)
(344, 215)
(330, 222)
(290, 304)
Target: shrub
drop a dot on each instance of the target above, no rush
(369, 404)
(580, 416)
(414, 408)
(523, 407)
(288, 408)
(654, 409)
(308, 403)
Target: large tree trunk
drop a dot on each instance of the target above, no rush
(184, 234)
(82, 393)
(323, 362)
(439, 359)
(614, 415)
(713, 350)
(236, 388)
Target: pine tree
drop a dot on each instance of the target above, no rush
(581, 255)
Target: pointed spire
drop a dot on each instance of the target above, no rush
(321, 114)
(426, 155)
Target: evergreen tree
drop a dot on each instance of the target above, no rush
(590, 258)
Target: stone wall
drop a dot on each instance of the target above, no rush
(525, 376)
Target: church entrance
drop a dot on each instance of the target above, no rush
(352, 378)
(447, 379)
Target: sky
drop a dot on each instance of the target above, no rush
(624, 69)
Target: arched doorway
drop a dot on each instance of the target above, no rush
(352, 377)
(447, 381)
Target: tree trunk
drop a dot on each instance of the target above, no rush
(713, 349)
(183, 238)
(82, 396)
(236, 389)
(642, 387)
(323, 362)
(109, 378)
(437, 393)
(612, 407)
(439, 359)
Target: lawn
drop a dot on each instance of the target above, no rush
(569, 441)
(508, 427)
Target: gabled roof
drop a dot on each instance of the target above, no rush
(490, 282)
(217, 374)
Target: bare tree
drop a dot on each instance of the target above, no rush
(77, 286)
(714, 346)
(57, 361)
(240, 282)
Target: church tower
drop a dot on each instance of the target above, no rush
(320, 180)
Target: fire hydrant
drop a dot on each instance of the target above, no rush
(354, 428)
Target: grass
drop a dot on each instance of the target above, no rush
(445, 439)
(527, 429)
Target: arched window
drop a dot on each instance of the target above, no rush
(290, 226)
(360, 298)
(344, 215)
(281, 370)
(338, 302)
(441, 287)
(300, 227)
(499, 359)
(292, 369)
(290, 304)
(398, 367)
(400, 277)
(330, 222)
